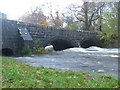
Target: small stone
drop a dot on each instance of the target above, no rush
(101, 71)
(99, 62)
(113, 69)
(32, 55)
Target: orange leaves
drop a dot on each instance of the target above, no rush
(56, 20)
(22, 84)
(45, 22)
(35, 16)
(28, 65)
(22, 64)
(88, 77)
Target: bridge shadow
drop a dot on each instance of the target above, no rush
(7, 52)
(60, 44)
(88, 43)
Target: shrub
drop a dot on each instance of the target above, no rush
(37, 49)
(26, 49)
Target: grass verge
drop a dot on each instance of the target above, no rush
(16, 74)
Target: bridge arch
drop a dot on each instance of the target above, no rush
(86, 43)
(59, 43)
(7, 52)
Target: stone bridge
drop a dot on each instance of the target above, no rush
(16, 34)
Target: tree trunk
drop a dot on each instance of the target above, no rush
(86, 16)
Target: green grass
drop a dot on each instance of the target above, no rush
(16, 74)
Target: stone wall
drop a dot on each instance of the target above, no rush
(46, 33)
(12, 38)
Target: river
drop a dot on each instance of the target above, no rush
(93, 59)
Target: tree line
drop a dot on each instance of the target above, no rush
(101, 17)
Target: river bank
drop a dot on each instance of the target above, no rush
(93, 59)
(16, 74)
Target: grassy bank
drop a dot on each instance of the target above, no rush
(16, 74)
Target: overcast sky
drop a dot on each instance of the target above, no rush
(15, 8)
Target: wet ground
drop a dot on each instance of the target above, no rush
(93, 59)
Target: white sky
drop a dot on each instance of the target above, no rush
(15, 8)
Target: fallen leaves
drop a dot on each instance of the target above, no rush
(19, 63)
(23, 75)
(69, 77)
(78, 84)
(22, 84)
(88, 77)
(28, 65)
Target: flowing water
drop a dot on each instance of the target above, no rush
(93, 59)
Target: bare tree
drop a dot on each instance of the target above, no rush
(87, 14)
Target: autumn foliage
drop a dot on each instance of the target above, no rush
(35, 16)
